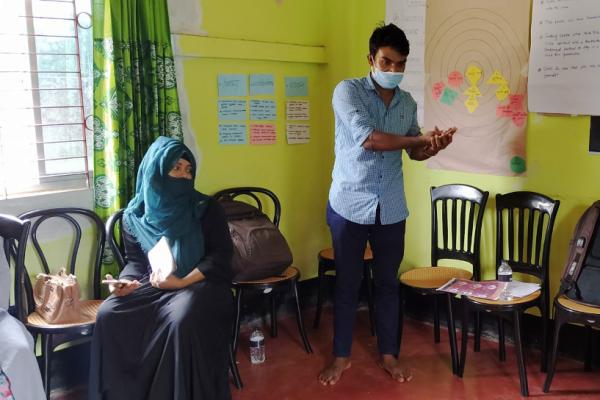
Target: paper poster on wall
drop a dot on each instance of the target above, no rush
(232, 85)
(564, 66)
(297, 133)
(296, 86)
(409, 15)
(263, 110)
(262, 134)
(476, 58)
(232, 110)
(297, 110)
(232, 134)
(261, 84)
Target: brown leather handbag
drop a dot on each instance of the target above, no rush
(57, 298)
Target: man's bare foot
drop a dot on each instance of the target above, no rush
(391, 365)
(333, 372)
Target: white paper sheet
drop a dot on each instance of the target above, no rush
(161, 259)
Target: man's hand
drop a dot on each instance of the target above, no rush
(124, 287)
(171, 282)
(438, 140)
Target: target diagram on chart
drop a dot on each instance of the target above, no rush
(476, 56)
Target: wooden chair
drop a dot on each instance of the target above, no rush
(52, 335)
(326, 263)
(527, 251)
(114, 235)
(458, 239)
(271, 285)
(14, 233)
(567, 311)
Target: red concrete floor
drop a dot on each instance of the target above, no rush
(290, 373)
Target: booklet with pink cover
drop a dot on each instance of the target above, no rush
(484, 289)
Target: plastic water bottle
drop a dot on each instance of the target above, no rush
(505, 275)
(257, 347)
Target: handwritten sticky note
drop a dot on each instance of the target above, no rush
(262, 110)
(296, 86)
(297, 133)
(232, 134)
(504, 111)
(519, 118)
(448, 96)
(516, 102)
(437, 90)
(232, 85)
(261, 84)
(502, 92)
(455, 79)
(473, 74)
(471, 103)
(262, 133)
(472, 91)
(232, 110)
(497, 79)
(297, 110)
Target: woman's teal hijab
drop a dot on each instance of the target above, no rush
(167, 206)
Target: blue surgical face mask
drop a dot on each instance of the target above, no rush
(387, 80)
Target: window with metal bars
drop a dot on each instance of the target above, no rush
(45, 96)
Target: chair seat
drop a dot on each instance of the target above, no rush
(520, 300)
(89, 309)
(569, 304)
(432, 277)
(289, 273)
(327, 254)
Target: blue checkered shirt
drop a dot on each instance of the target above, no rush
(364, 179)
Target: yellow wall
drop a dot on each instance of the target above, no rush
(559, 164)
(284, 39)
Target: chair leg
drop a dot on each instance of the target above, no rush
(501, 340)
(558, 322)
(452, 336)
(320, 294)
(238, 311)
(520, 358)
(237, 380)
(273, 314)
(436, 320)
(587, 366)
(299, 319)
(545, 322)
(47, 362)
(369, 283)
(477, 341)
(464, 339)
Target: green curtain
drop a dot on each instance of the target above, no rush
(135, 95)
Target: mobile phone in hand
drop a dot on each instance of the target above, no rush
(115, 282)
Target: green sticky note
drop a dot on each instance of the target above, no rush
(449, 96)
(517, 165)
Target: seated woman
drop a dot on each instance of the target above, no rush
(167, 339)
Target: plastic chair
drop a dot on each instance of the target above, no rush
(115, 241)
(524, 226)
(458, 239)
(326, 262)
(52, 335)
(271, 285)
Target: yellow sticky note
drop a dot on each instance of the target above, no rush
(502, 92)
(473, 74)
(497, 79)
(472, 91)
(471, 103)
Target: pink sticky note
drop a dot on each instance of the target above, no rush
(504, 111)
(519, 118)
(516, 102)
(437, 90)
(262, 134)
(455, 79)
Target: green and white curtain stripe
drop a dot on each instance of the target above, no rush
(135, 93)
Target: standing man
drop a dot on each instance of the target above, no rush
(374, 121)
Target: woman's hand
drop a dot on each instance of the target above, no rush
(124, 288)
(171, 282)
